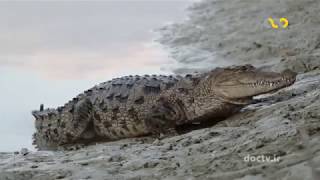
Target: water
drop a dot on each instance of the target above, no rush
(52, 51)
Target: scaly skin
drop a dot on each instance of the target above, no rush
(133, 106)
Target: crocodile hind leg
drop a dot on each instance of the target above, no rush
(65, 125)
(163, 117)
(76, 121)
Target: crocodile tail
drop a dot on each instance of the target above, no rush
(60, 126)
(42, 143)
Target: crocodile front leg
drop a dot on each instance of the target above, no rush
(163, 117)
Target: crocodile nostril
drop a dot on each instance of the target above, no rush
(289, 73)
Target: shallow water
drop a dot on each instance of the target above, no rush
(50, 52)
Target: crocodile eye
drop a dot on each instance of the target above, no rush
(249, 67)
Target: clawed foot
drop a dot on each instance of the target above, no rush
(162, 135)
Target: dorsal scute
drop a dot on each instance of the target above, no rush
(122, 87)
(129, 88)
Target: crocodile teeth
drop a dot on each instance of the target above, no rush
(271, 83)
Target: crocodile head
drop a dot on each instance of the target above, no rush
(238, 84)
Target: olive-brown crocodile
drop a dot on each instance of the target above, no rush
(133, 106)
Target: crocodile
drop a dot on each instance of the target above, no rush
(134, 106)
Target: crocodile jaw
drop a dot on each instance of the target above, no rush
(241, 86)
